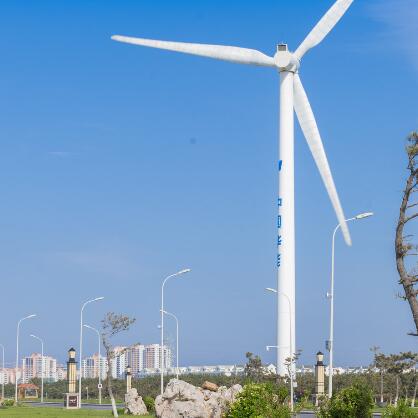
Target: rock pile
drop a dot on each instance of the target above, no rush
(183, 400)
(134, 405)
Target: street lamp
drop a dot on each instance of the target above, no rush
(177, 341)
(42, 365)
(179, 273)
(17, 349)
(2, 370)
(99, 386)
(330, 296)
(291, 371)
(81, 342)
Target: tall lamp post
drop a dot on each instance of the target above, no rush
(2, 371)
(330, 295)
(81, 342)
(17, 349)
(99, 386)
(179, 273)
(177, 341)
(291, 371)
(42, 365)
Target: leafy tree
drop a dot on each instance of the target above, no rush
(380, 363)
(353, 402)
(402, 410)
(403, 246)
(264, 400)
(290, 363)
(254, 368)
(398, 365)
(113, 324)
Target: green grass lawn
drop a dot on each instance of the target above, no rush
(27, 412)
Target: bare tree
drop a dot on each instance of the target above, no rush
(403, 246)
(113, 324)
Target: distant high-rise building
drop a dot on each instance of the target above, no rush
(9, 375)
(61, 372)
(32, 368)
(152, 356)
(135, 358)
(90, 367)
(138, 356)
(119, 362)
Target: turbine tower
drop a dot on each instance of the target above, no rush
(292, 97)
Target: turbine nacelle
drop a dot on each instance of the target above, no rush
(285, 60)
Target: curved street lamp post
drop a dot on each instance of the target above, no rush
(42, 365)
(17, 349)
(177, 341)
(330, 296)
(99, 364)
(81, 343)
(179, 273)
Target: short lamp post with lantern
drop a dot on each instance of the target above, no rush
(72, 398)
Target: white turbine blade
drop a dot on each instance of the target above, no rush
(310, 130)
(220, 52)
(323, 27)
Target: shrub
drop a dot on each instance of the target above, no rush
(400, 411)
(353, 402)
(149, 403)
(260, 401)
(8, 402)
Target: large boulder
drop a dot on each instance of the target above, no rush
(210, 386)
(134, 405)
(183, 400)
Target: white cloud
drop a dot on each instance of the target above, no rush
(108, 262)
(400, 18)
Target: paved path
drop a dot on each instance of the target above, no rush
(109, 406)
(104, 406)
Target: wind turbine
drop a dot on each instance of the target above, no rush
(292, 97)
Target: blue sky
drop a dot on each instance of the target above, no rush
(121, 165)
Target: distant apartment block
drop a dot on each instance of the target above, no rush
(226, 370)
(61, 372)
(91, 367)
(138, 356)
(119, 363)
(32, 368)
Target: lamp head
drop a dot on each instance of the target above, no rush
(269, 289)
(364, 215)
(184, 271)
(99, 298)
(71, 353)
(319, 357)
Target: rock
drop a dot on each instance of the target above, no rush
(183, 400)
(134, 405)
(210, 386)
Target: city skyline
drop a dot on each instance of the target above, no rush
(153, 172)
